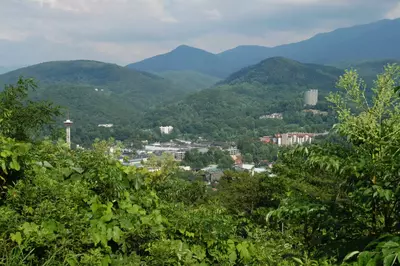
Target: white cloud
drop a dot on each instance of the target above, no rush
(123, 31)
(394, 13)
(213, 14)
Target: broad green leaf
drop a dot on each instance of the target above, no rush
(389, 260)
(47, 164)
(17, 237)
(299, 261)
(116, 234)
(78, 170)
(350, 255)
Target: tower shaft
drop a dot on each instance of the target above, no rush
(68, 136)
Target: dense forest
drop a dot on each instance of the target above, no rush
(231, 110)
(333, 202)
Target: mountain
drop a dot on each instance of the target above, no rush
(363, 42)
(190, 80)
(233, 107)
(280, 70)
(96, 92)
(185, 58)
(372, 41)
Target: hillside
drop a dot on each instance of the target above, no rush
(279, 70)
(186, 58)
(96, 92)
(190, 80)
(374, 41)
(233, 108)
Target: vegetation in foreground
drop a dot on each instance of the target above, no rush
(330, 203)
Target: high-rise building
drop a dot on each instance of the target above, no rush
(311, 97)
(166, 130)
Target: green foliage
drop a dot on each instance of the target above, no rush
(260, 153)
(279, 70)
(242, 193)
(196, 159)
(21, 118)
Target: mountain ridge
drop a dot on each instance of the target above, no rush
(370, 41)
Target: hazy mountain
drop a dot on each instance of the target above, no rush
(186, 58)
(190, 80)
(363, 42)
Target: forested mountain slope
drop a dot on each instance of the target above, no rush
(96, 92)
(234, 106)
(279, 70)
(190, 80)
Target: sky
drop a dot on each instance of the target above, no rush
(127, 31)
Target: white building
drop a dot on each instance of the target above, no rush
(106, 125)
(293, 138)
(166, 130)
(311, 97)
(272, 116)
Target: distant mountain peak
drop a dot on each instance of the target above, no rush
(184, 46)
(188, 49)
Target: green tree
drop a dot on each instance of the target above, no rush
(20, 117)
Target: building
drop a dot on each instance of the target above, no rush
(106, 125)
(233, 151)
(272, 116)
(311, 97)
(266, 139)
(166, 130)
(293, 138)
(179, 155)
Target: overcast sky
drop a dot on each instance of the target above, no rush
(126, 31)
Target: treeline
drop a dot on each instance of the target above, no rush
(197, 160)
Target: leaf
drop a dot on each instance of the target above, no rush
(243, 251)
(350, 255)
(232, 256)
(389, 260)
(47, 164)
(15, 165)
(116, 234)
(299, 261)
(78, 170)
(391, 244)
(16, 237)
